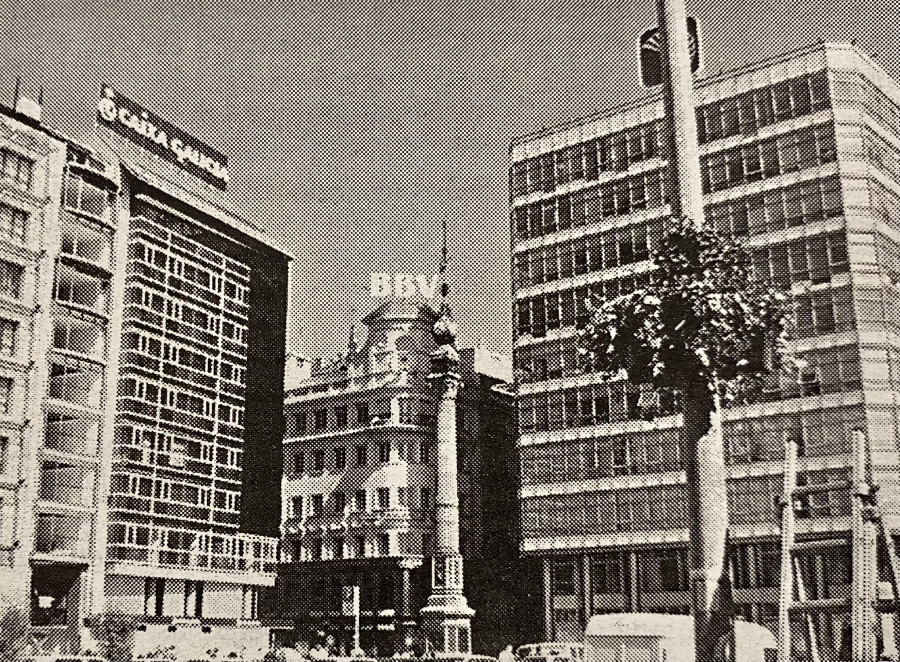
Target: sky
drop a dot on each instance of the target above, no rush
(354, 130)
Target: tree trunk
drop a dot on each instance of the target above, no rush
(707, 512)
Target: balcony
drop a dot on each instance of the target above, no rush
(75, 384)
(84, 291)
(66, 484)
(86, 245)
(79, 337)
(67, 434)
(62, 535)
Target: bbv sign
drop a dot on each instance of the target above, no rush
(403, 286)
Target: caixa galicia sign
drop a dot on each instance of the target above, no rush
(156, 135)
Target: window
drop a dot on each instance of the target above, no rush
(359, 544)
(84, 196)
(16, 169)
(340, 417)
(359, 500)
(384, 544)
(154, 592)
(300, 421)
(361, 453)
(11, 279)
(563, 578)
(427, 498)
(4, 456)
(362, 413)
(316, 549)
(426, 451)
(384, 498)
(340, 502)
(299, 462)
(340, 458)
(384, 451)
(13, 222)
(8, 332)
(320, 420)
(6, 387)
(339, 547)
(317, 505)
(318, 460)
(297, 506)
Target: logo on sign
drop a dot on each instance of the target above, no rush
(156, 135)
(403, 286)
(651, 60)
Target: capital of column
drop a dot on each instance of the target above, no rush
(410, 562)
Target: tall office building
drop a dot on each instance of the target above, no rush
(359, 487)
(800, 158)
(144, 469)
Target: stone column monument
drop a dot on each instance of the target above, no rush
(446, 616)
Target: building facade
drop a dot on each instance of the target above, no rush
(800, 158)
(145, 469)
(359, 484)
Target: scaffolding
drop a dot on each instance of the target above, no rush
(871, 603)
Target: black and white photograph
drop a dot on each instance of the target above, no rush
(449, 331)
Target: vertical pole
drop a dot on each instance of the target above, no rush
(683, 152)
(786, 595)
(810, 623)
(865, 571)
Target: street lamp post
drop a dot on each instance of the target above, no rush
(705, 463)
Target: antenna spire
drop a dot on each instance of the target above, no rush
(445, 287)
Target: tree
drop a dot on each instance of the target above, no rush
(705, 331)
(14, 633)
(114, 634)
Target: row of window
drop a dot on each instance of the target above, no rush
(742, 114)
(589, 206)
(820, 312)
(614, 152)
(168, 490)
(585, 254)
(339, 502)
(201, 319)
(588, 405)
(189, 402)
(338, 462)
(663, 508)
(777, 209)
(790, 152)
(153, 346)
(341, 547)
(155, 441)
(160, 258)
(819, 433)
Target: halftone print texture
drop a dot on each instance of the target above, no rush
(354, 132)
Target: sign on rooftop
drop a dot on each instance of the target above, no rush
(154, 134)
(650, 57)
(403, 286)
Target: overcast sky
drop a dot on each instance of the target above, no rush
(352, 130)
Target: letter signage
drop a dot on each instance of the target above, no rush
(156, 135)
(403, 286)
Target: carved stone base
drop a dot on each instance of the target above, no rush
(447, 621)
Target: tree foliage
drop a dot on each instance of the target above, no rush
(701, 320)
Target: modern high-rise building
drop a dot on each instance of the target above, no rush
(800, 159)
(359, 487)
(141, 473)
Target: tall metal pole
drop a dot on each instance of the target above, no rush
(786, 595)
(706, 475)
(864, 553)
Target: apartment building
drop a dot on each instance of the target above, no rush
(359, 486)
(143, 470)
(800, 158)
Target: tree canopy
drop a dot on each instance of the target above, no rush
(701, 319)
